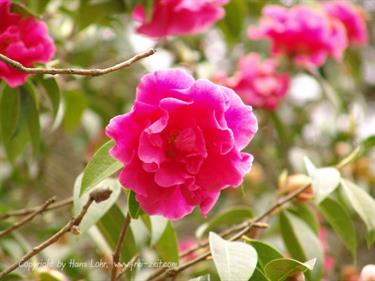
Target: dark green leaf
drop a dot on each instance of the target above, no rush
(167, 245)
(258, 275)
(10, 105)
(281, 269)
(53, 92)
(304, 212)
(301, 242)
(134, 208)
(341, 222)
(101, 166)
(266, 253)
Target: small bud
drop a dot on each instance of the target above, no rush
(75, 230)
(100, 194)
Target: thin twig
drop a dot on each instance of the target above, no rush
(120, 243)
(25, 212)
(242, 229)
(28, 218)
(128, 265)
(75, 71)
(97, 195)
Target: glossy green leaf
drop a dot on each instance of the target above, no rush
(134, 209)
(54, 94)
(281, 269)
(110, 226)
(101, 166)
(302, 243)
(233, 260)
(304, 212)
(167, 245)
(258, 275)
(341, 222)
(266, 253)
(363, 204)
(96, 211)
(231, 216)
(32, 112)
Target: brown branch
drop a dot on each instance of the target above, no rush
(28, 218)
(242, 229)
(97, 195)
(120, 243)
(25, 212)
(128, 265)
(76, 71)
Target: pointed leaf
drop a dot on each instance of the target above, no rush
(101, 166)
(324, 182)
(167, 245)
(266, 253)
(341, 222)
(233, 260)
(281, 269)
(134, 208)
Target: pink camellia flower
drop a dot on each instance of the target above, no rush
(329, 262)
(351, 17)
(186, 245)
(179, 17)
(368, 273)
(23, 39)
(181, 143)
(302, 33)
(257, 82)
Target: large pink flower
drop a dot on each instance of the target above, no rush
(306, 35)
(257, 82)
(181, 143)
(351, 17)
(23, 39)
(179, 17)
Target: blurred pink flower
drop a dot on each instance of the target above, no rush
(181, 143)
(351, 17)
(368, 273)
(257, 82)
(187, 245)
(329, 262)
(23, 39)
(304, 34)
(179, 17)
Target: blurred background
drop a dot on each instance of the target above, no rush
(91, 33)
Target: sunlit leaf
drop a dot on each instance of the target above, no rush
(233, 260)
(281, 269)
(266, 253)
(324, 182)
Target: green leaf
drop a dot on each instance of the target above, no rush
(110, 226)
(54, 94)
(266, 253)
(233, 22)
(75, 105)
(231, 216)
(201, 278)
(158, 224)
(324, 182)
(22, 10)
(281, 269)
(259, 276)
(302, 243)
(32, 113)
(363, 204)
(96, 211)
(233, 260)
(341, 222)
(134, 208)
(10, 105)
(304, 212)
(167, 245)
(101, 166)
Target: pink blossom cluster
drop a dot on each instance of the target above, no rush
(178, 17)
(310, 34)
(23, 39)
(257, 82)
(181, 143)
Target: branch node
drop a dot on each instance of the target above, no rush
(100, 194)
